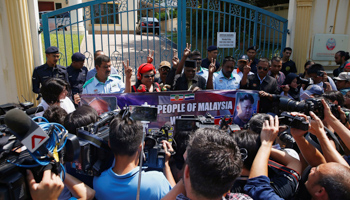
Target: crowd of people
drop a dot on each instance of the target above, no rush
(254, 163)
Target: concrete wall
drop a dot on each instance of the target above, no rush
(168, 26)
(323, 17)
(329, 17)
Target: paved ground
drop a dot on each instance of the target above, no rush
(117, 47)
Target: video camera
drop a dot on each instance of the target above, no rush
(95, 155)
(154, 152)
(44, 146)
(26, 106)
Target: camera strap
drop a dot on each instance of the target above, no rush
(93, 139)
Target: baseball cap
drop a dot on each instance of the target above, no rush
(252, 48)
(212, 48)
(51, 49)
(78, 57)
(243, 58)
(314, 89)
(343, 76)
(164, 64)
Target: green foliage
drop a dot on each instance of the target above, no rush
(66, 38)
(162, 16)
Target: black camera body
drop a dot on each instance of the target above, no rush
(294, 121)
(95, 155)
(154, 152)
(314, 105)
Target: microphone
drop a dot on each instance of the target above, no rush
(141, 88)
(26, 130)
(35, 110)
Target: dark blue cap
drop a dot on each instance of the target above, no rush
(212, 48)
(252, 48)
(243, 58)
(78, 57)
(51, 49)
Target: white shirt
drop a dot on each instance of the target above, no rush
(65, 103)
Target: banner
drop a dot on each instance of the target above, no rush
(240, 105)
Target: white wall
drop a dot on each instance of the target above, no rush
(8, 89)
(322, 20)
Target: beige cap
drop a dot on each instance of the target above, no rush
(164, 64)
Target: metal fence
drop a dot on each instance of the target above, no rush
(254, 26)
(116, 28)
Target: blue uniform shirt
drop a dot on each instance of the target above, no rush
(220, 82)
(77, 78)
(203, 72)
(93, 72)
(113, 84)
(44, 72)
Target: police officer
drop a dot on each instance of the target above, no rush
(212, 54)
(49, 69)
(103, 83)
(77, 73)
(223, 79)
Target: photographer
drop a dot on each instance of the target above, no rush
(343, 82)
(329, 180)
(283, 168)
(212, 164)
(320, 78)
(121, 180)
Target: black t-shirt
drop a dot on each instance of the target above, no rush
(283, 180)
(289, 67)
(180, 82)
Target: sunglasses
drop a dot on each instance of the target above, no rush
(260, 68)
(149, 76)
(164, 69)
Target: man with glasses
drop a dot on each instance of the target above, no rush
(48, 70)
(103, 83)
(223, 79)
(164, 68)
(266, 85)
(343, 82)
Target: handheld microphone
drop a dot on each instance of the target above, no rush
(26, 130)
